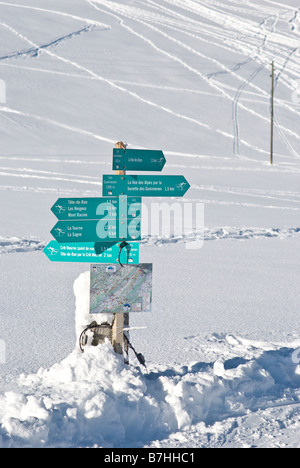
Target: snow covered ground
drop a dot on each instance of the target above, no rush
(191, 78)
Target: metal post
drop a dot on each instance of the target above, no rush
(272, 115)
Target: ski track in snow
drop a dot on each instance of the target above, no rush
(55, 12)
(34, 51)
(98, 77)
(61, 179)
(259, 194)
(137, 14)
(241, 192)
(222, 21)
(18, 244)
(10, 245)
(175, 58)
(225, 233)
(55, 123)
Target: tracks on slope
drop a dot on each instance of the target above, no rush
(135, 14)
(35, 51)
(140, 16)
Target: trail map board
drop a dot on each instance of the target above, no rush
(116, 289)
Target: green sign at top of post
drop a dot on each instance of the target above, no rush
(138, 160)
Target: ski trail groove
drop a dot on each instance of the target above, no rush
(110, 83)
(9, 245)
(55, 12)
(62, 179)
(124, 12)
(34, 51)
(224, 233)
(235, 104)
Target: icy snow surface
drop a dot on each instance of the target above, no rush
(191, 78)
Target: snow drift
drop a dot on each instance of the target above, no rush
(94, 399)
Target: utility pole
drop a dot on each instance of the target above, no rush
(272, 113)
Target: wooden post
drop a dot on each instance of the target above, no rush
(118, 333)
(272, 115)
(121, 318)
(115, 332)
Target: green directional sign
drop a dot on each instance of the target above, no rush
(138, 160)
(97, 208)
(145, 185)
(97, 230)
(85, 253)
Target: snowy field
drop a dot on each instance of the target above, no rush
(191, 78)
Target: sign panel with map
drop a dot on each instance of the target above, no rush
(120, 289)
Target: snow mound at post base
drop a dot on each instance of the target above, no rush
(95, 400)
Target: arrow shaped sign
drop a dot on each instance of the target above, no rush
(97, 208)
(138, 160)
(145, 186)
(85, 253)
(97, 230)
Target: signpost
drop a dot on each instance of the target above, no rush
(138, 160)
(85, 253)
(145, 186)
(102, 230)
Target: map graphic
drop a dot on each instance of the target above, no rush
(116, 289)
